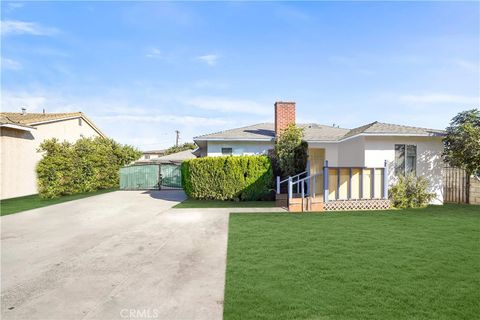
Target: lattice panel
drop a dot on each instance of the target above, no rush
(369, 204)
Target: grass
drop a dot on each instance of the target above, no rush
(192, 203)
(14, 205)
(403, 264)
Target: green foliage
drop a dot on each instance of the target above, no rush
(183, 147)
(462, 143)
(410, 192)
(84, 166)
(228, 178)
(291, 152)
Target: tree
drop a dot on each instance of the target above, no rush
(291, 152)
(183, 147)
(462, 142)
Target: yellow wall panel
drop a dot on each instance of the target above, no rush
(367, 189)
(355, 183)
(344, 181)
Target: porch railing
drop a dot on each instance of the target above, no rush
(341, 183)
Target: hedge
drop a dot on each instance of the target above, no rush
(84, 166)
(240, 178)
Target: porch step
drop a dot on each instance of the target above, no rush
(297, 204)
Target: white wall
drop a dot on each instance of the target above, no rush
(331, 151)
(19, 155)
(429, 161)
(351, 153)
(214, 148)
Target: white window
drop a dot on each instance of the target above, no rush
(227, 151)
(147, 156)
(405, 159)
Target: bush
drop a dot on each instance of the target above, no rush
(241, 178)
(85, 166)
(291, 152)
(410, 192)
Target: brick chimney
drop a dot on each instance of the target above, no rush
(284, 115)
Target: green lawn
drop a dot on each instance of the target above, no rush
(402, 264)
(15, 205)
(191, 203)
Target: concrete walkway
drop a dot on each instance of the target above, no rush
(121, 255)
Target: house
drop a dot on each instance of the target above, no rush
(151, 155)
(361, 162)
(21, 135)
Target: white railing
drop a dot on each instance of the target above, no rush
(299, 181)
(293, 178)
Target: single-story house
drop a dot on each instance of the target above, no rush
(173, 158)
(151, 155)
(363, 161)
(21, 135)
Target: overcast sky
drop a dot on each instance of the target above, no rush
(142, 70)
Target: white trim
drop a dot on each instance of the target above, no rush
(328, 141)
(16, 126)
(70, 118)
(233, 139)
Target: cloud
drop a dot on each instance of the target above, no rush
(440, 98)
(154, 53)
(467, 65)
(228, 105)
(210, 59)
(16, 100)
(166, 118)
(11, 64)
(10, 27)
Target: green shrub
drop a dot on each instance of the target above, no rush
(291, 152)
(84, 166)
(410, 192)
(241, 178)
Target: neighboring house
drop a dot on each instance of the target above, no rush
(151, 155)
(406, 149)
(21, 135)
(174, 158)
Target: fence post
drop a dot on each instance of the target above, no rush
(290, 188)
(385, 180)
(313, 180)
(325, 182)
(278, 184)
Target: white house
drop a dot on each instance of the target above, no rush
(357, 156)
(21, 135)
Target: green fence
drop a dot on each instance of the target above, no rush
(150, 176)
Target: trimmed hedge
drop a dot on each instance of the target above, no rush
(243, 178)
(84, 166)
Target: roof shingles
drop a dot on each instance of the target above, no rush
(316, 132)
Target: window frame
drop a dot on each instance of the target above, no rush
(407, 153)
(226, 154)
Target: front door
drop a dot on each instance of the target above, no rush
(316, 158)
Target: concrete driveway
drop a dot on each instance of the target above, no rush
(121, 255)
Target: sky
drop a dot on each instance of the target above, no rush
(141, 70)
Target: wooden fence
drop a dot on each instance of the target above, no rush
(456, 185)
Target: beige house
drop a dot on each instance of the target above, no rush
(22, 134)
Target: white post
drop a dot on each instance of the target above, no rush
(290, 187)
(278, 184)
(313, 185)
(385, 180)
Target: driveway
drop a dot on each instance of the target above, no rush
(124, 254)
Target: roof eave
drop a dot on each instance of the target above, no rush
(17, 127)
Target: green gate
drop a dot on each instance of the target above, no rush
(150, 176)
(140, 177)
(171, 176)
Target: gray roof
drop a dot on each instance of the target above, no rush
(393, 129)
(266, 131)
(177, 157)
(317, 132)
